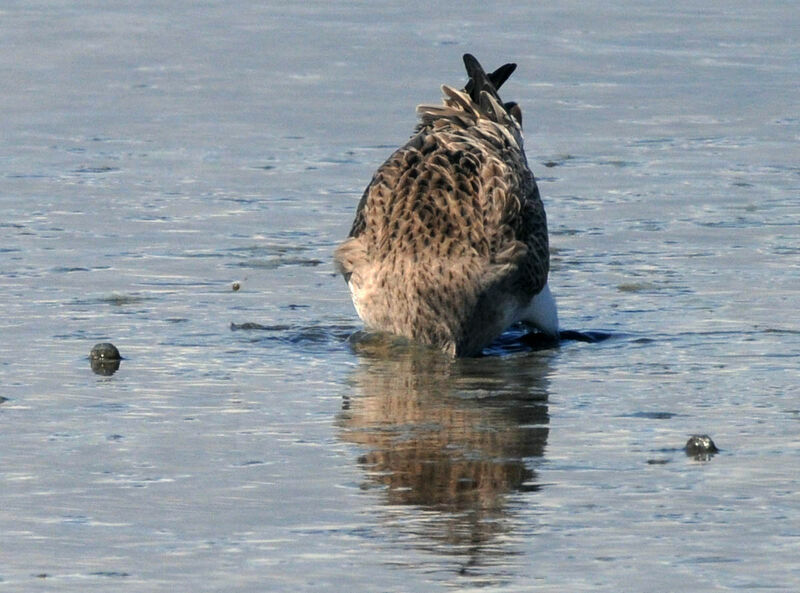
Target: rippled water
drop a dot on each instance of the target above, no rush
(154, 155)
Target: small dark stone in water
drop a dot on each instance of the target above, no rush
(236, 286)
(104, 367)
(3, 399)
(105, 359)
(105, 351)
(701, 447)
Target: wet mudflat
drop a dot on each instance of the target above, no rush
(153, 158)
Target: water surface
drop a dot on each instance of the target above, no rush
(154, 155)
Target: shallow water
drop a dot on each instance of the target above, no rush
(153, 156)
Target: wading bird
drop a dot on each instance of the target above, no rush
(449, 244)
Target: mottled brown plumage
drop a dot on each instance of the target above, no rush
(449, 244)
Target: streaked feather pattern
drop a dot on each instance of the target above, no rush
(449, 244)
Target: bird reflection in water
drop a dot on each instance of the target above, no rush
(449, 439)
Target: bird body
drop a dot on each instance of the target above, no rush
(449, 245)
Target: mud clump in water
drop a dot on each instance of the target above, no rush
(701, 447)
(105, 359)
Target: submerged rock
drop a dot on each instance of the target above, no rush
(701, 447)
(105, 358)
(105, 351)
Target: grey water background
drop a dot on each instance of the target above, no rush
(154, 153)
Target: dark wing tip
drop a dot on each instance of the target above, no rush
(499, 76)
(471, 62)
(479, 80)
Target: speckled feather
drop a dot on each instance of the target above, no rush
(450, 237)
